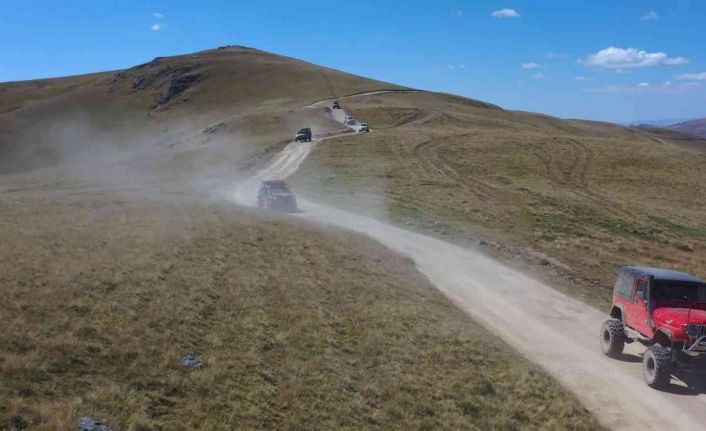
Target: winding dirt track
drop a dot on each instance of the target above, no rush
(367, 93)
(549, 328)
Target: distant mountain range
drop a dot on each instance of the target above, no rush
(665, 122)
(689, 126)
(693, 127)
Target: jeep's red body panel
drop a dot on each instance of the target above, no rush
(649, 315)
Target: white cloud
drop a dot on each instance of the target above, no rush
(157, 15)
(538, 75)
(650, 16)
(581, 79)
(529, 65)
(505, 13)
(692, 76)
(454, 66)
(646, 88)
(157, 26)
(557, 55)
(620, 58)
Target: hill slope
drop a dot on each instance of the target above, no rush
(226, 102)
(111, 271)
(693, 127)
(104, 293)
(570, 200)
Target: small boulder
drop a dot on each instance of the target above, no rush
(190, 362)
(89, 424)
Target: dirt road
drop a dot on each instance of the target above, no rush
(367, 93)
(548, 327)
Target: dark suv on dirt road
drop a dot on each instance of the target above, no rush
(276, 195)
(664, 310)
(303, 135)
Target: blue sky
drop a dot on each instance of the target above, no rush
(607, 60)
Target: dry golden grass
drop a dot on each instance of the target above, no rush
(299, 328)
(581, 198)
(106, 286)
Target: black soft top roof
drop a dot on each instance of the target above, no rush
(661, 274)
(275, 183)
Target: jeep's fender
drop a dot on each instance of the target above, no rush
(663, 336)
(618, 312)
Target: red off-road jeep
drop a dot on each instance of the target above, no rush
(662, 309)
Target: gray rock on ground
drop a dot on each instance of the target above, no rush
(89, 424)
(191, 362)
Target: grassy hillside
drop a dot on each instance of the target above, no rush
(230, 103)
(297, 327)
(576, 199)
(116, 262)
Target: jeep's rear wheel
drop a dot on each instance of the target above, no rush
(612, 337)
(657, 366)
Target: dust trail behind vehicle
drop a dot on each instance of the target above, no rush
(283, 165)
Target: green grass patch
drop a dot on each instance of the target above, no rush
(690, 231)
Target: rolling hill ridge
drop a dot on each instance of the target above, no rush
(120, 256)
(114, 183)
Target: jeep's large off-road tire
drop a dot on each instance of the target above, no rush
(657, 366)
(612, 337)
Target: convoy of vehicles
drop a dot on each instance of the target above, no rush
(276, 195)
(303, 135)
(664, 310)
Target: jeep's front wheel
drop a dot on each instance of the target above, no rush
(657, 366)
(612, 337)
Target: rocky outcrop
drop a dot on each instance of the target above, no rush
(171, 82)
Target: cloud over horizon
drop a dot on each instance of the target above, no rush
(692, 76)
(666, 87)
(650, 16)
(621, 58)
(505, 13)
